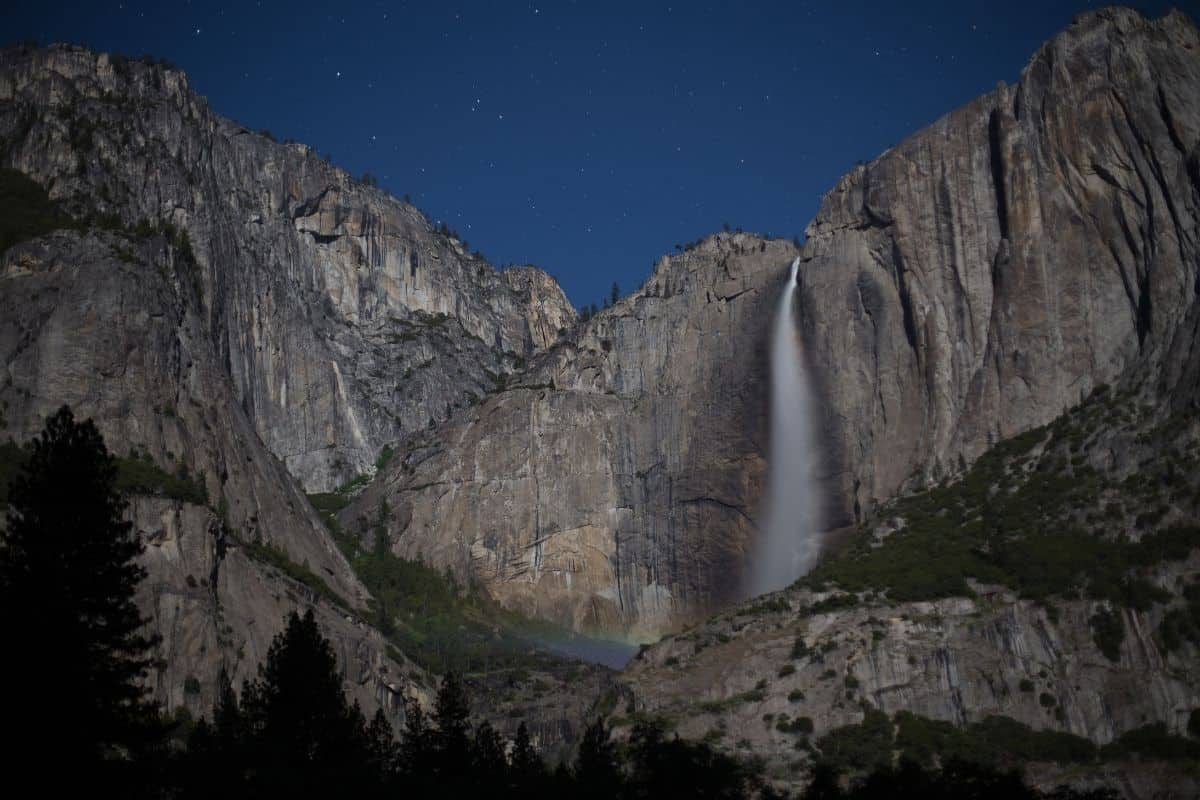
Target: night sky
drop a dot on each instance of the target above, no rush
(586, 137)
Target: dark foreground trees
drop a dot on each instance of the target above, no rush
(292, 733)
(74, 675)
(77, 650)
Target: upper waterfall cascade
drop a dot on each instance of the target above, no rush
(788, 545)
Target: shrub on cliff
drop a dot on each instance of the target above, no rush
(26, 211)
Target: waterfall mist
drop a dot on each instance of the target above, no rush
(787, 546)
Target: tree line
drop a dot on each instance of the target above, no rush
(588, 311)
(76, 672)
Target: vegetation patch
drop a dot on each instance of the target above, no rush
(426, 614)
(26, 210)
(755, 695)
(801, 726)
(1151, 743)
(1108, 631)
(138, 474)
(1031, 514)
(269, 554)
(997, 741)
(862, 747)
(1181, 625)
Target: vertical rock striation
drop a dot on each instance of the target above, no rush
(103, 323)
(342, 316)
(986, 273)
(613, 487)
(969, 284)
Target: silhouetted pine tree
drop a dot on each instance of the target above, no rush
(67, 580)
(488, 759)
(217, 759)
(382, 750)
(661, 765)
(451, 715)
(416, 744)
(302, 734)
(597, 772)
(527, 770)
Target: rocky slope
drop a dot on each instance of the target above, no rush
(986, 273)
(613, 487)
(967, 287)
(1059, 595)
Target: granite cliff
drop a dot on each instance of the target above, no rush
(971, 283)
(985, 274)
(103, 323)
(244, 316)
(1050, 591)
(613, 487)
(1001, 315)
(343, 317)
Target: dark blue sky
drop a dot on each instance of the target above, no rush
(586, 137)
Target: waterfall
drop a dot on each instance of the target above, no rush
(787, 546)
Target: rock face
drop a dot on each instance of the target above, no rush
(778, 673)
(105, 324)
(613, 486)
(970, 284)
(275, 321)
(986, 273)
(343, 318)
(958, 660)
(241, 310)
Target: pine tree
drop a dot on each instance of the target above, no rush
(217, 752)
(68, 575)
(229, 724)
(597, 772)
(382, 750)
(661, 765)
(615, 294)
(488, 761)
(528, 771)
(451, 718)
(416, 743)
(303, 735)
